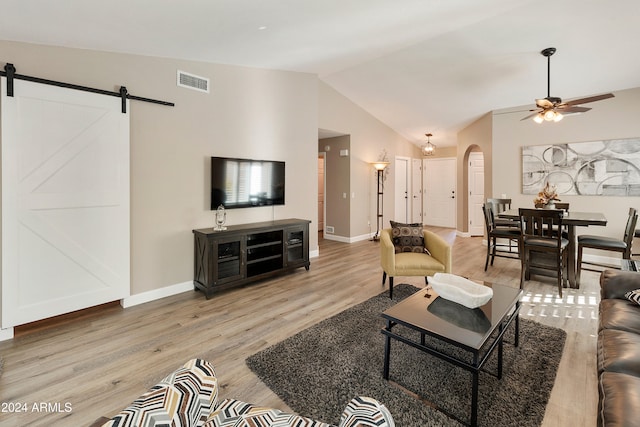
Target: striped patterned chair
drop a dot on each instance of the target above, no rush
(189, 397)
(186, 397)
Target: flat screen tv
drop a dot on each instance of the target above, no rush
(244, 183)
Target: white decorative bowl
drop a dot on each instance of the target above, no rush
(458, 289)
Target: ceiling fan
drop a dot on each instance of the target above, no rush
(552, 108)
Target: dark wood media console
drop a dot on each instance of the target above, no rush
(248, 252)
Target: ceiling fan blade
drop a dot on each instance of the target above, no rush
(530, 115)
(544, 103)
(589, 99)
(569, 109)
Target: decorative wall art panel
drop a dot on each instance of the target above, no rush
(596, 168)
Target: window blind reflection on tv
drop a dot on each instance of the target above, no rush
(243, 183)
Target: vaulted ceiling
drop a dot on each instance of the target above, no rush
(417, 65)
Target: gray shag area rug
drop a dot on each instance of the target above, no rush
(317, 371)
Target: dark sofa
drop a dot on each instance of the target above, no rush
(618, 350)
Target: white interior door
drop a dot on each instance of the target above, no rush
(476, 193)
(401, 213)
(416, 190)
(439, 192)
(65, 201)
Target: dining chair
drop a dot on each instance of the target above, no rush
(498, 206)
(610, 244)
(495, 232)
(564, 207)
(542, 246)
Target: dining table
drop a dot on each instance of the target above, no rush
(571, 220)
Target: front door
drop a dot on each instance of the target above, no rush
(440, 192)
(402, 190)
(416, 190)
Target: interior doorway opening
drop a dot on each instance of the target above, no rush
(334, 185)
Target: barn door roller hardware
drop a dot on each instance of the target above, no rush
(10, 73)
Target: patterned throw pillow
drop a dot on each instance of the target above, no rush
(633, 296)
(407, 237)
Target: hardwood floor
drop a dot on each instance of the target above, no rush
(100, 360)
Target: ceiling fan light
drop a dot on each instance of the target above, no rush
(538, 118)
(549, 115)
(558, 117)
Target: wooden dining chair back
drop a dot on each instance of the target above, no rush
(501, 240)
(563, 207)
(543, 246)
(611, 244)
(498, 206)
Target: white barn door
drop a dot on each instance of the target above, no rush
(65, 201)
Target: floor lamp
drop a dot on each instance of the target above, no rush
(379, 167)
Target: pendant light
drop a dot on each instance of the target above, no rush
(428, 149)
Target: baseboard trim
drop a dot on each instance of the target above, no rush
(361, 238)
(6, 334)
(348, 239)
(155, 294)
(335, 238)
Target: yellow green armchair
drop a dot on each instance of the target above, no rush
(438, 260)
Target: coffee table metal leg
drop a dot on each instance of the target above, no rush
(500, 357)
(500, 346)
(387, 352)
(474, 392)
(517, 332)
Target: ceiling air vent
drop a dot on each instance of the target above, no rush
(191, 81)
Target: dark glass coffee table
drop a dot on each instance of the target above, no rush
(477, 331)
